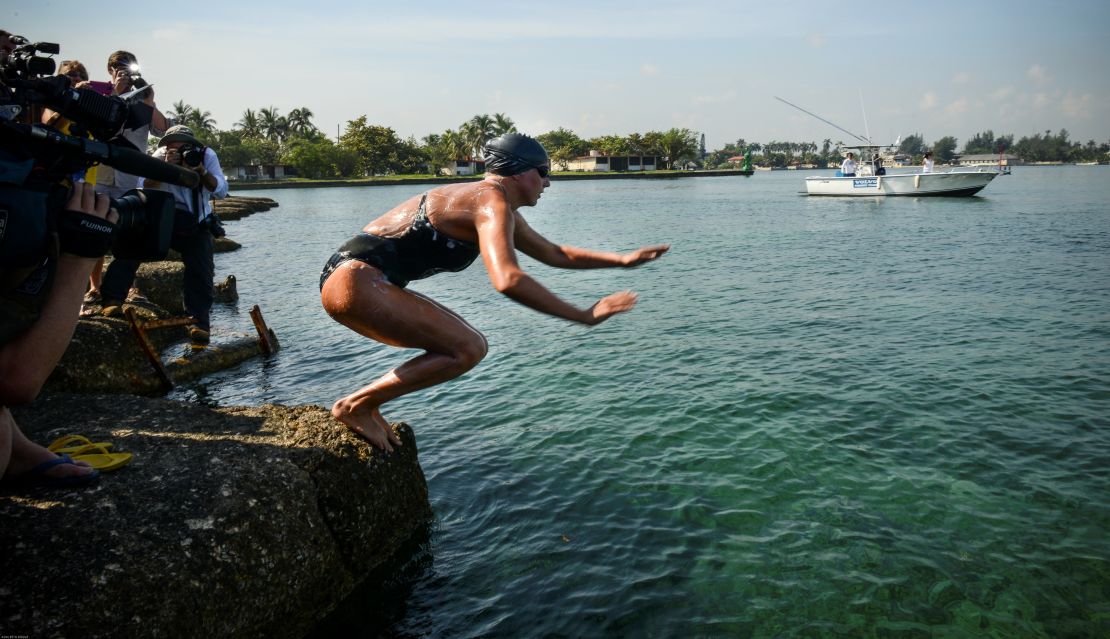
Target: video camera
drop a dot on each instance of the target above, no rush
(38, 163)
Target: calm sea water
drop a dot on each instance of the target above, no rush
(826, 417)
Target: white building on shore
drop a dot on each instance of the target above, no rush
(596, 161)
(988, 159)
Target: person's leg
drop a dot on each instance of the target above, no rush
(92, 295)
(117, 280)
(96, 277)
(25, 454)
(359, 297)
(7, 425)
(198, 293)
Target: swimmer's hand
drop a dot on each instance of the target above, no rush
(610, 305)
(646, 254)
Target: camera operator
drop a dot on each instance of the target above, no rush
(51, 288)
(193, 229)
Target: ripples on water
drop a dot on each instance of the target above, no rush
(826, 417)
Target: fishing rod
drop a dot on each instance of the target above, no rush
(858, 137)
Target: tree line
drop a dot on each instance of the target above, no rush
(1034, 148)
(266, 137)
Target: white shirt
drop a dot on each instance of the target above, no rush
(848, 166)
(927, 167)
(183, 195)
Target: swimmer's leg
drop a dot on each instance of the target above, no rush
(359, 297)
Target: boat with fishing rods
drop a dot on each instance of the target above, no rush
(872, 179)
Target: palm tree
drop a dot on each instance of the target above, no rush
(273, 125)
(180, 112)
(502, 124)
(201, 121)
(300, 121)
(250, 124)
(438, 155)
(478, 131)
(455, 143)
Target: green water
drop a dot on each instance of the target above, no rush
(826, 418)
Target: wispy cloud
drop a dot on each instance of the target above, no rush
(649, 69)
(961, 77)
(816, 40)
(928, 101)
(1002, 94)
(1037, 74)
(958, 107)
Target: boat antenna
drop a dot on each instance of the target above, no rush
(836, 126)
(866, 129)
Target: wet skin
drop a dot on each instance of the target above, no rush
(359, 296)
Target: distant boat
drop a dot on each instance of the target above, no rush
(867, 183)
(872, 180)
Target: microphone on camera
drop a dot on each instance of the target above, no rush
(119, 156)
(136, 163)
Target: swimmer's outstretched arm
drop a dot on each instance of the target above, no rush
(534, 245)
(495, 233)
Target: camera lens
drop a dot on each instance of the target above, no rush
(132, 212)
(192, 155)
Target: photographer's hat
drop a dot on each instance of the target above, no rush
(178, 133)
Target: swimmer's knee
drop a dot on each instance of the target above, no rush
(472, 351)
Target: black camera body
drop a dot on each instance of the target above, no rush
(36, 159)
(24, 60)
(137, 80)
(192, 154)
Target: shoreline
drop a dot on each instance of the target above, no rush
(387, 181)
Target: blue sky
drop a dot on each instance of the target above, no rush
(934, 67)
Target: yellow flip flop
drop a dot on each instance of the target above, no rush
(68, 444)
(100, 459)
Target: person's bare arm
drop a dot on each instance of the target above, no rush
(495, 223)
(27, 360)
(536, 246)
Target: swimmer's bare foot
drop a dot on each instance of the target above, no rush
(384, 425)
(369, 425)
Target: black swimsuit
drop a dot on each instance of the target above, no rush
(421, 252)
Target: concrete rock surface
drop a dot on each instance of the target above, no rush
(230, 522)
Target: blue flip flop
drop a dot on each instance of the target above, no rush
(37, 477)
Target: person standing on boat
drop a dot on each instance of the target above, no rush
(877, 162)
(927, 163)
(363, 285)
(848, 166)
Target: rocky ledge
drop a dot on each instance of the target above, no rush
(230, 522)
(105, 356)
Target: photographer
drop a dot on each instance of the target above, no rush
(49, 288)
(144, 120)
(193, 229)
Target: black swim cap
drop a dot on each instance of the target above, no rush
(514, 153)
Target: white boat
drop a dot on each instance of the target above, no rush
(871, 180)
